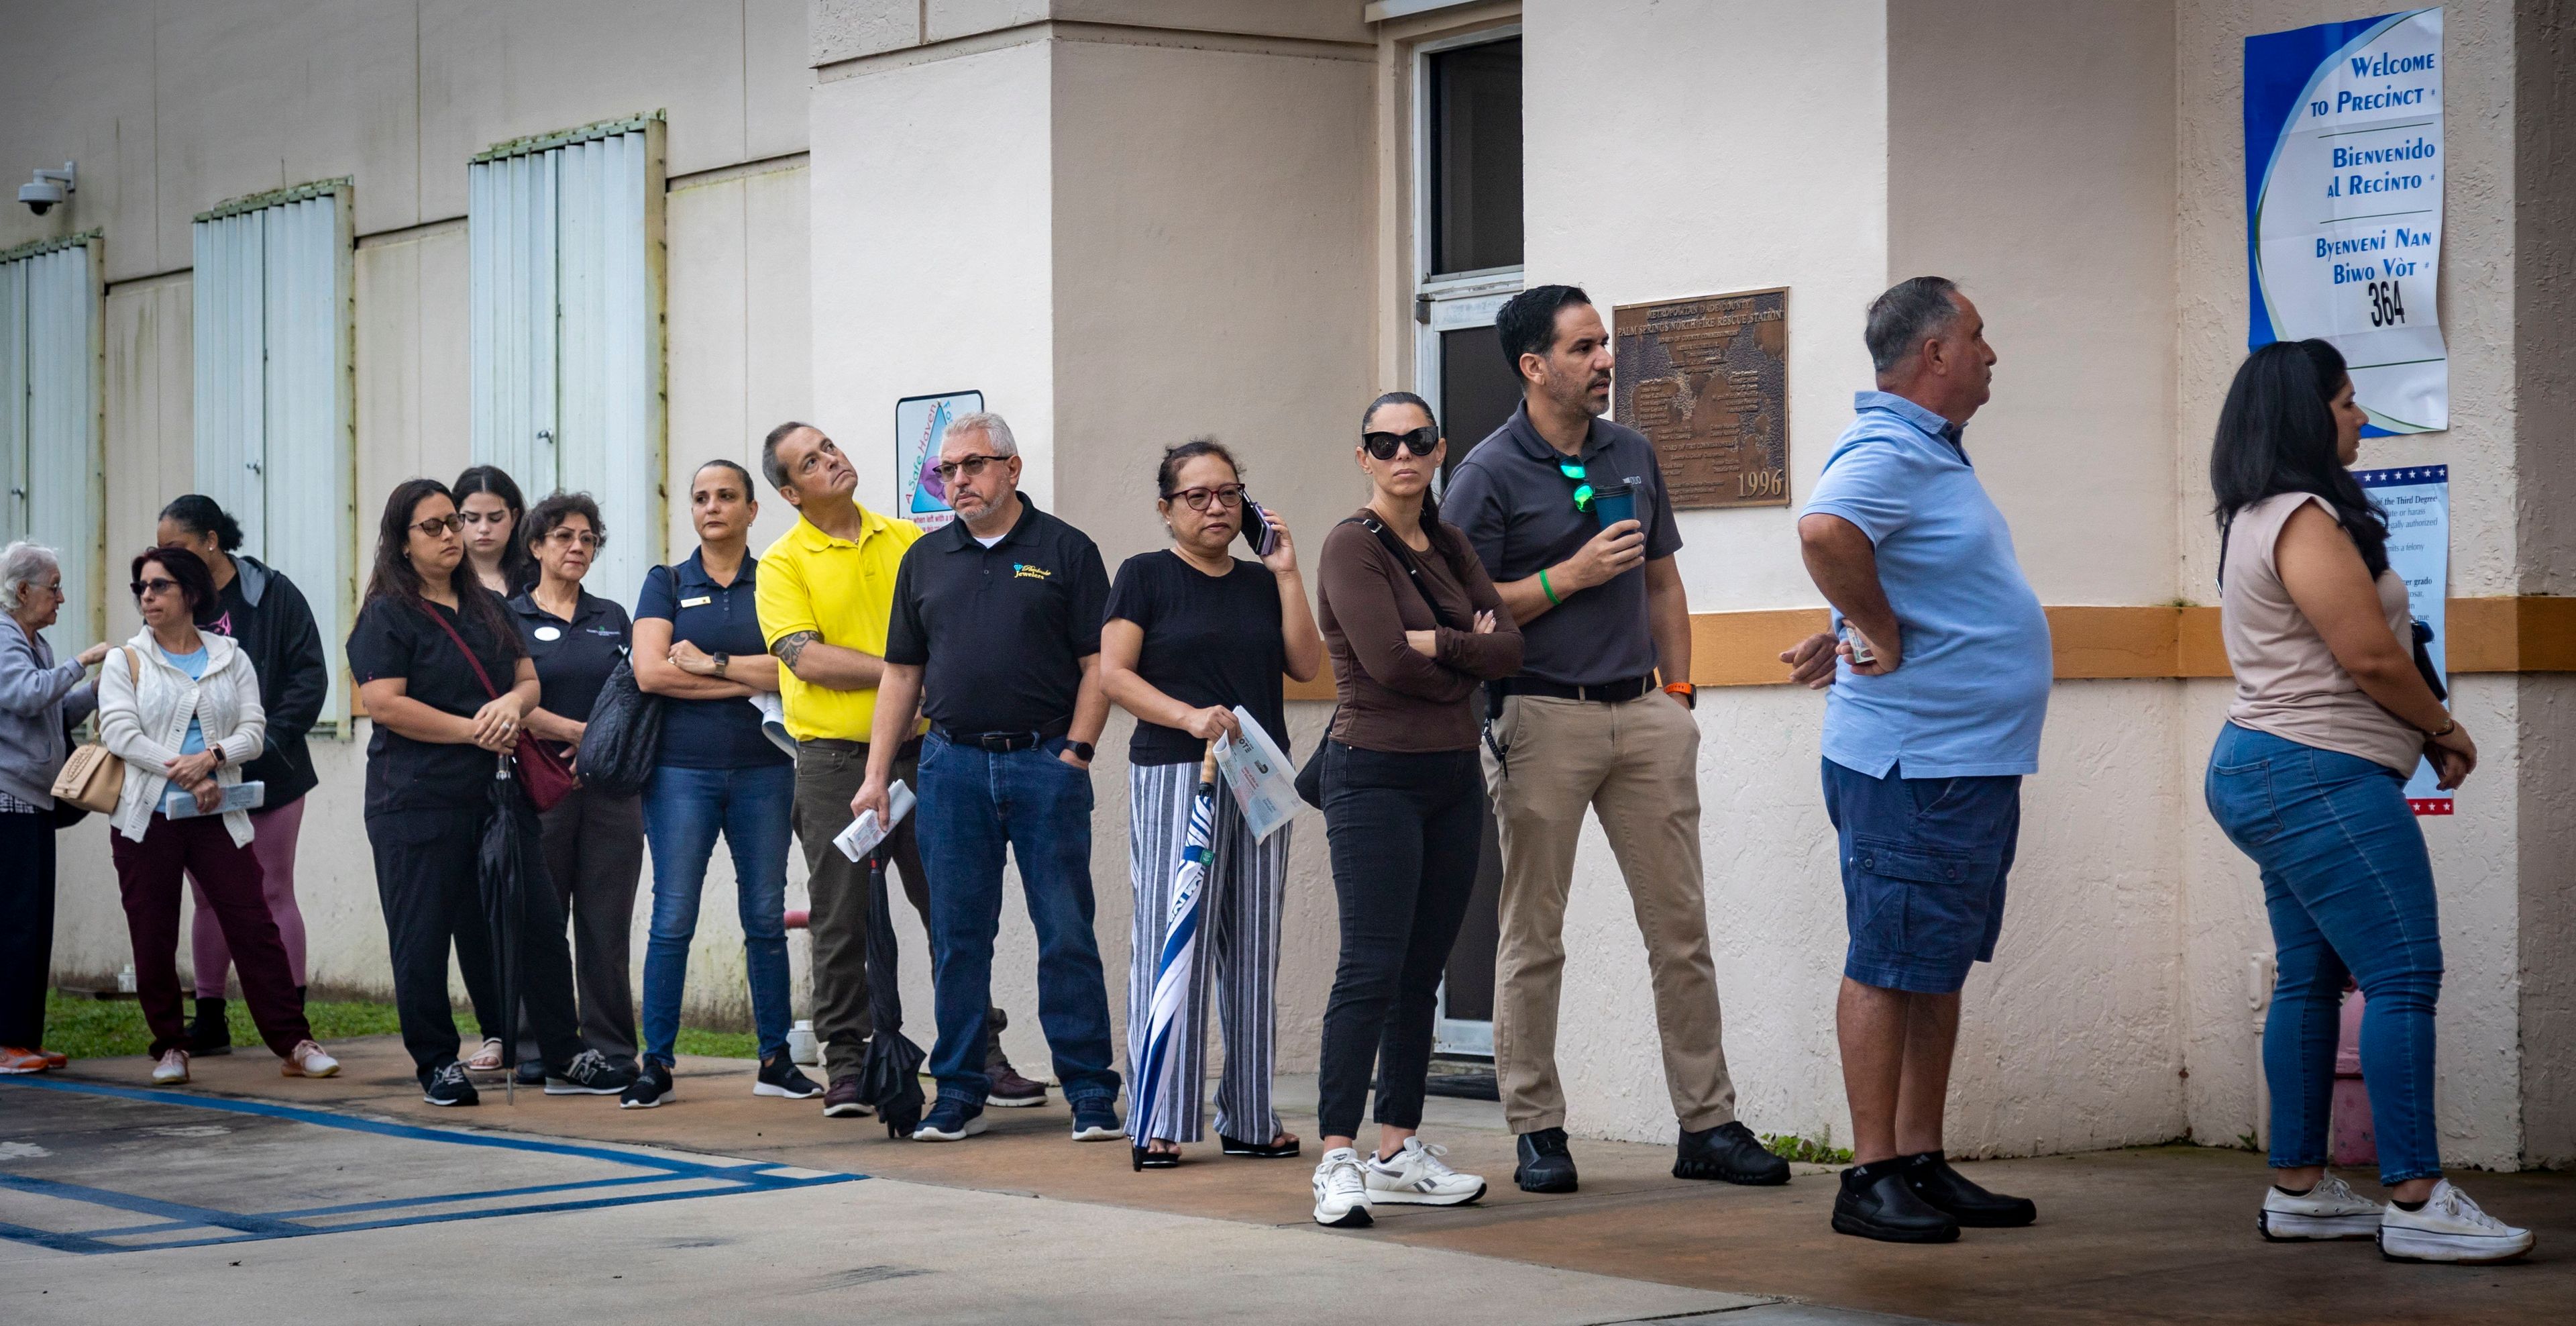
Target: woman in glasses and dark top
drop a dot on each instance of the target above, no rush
(430, 766)
(489, 503)
(593, 840)
(1193, 632)
(1415, 629)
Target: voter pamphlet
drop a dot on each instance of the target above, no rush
(1258, 773)
(773, 720)
(864, 834)
(180, 804)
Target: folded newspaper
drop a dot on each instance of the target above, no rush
(1257, 771)
(863, 834)
(181, 804)
(773, 720)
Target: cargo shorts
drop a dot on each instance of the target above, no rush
(1924, 862)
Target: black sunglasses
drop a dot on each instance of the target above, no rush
(156, 585)
(1420, 442)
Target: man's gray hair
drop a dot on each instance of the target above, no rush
(770, 467)
(23, 564)
(990, 425)
(1911, 310)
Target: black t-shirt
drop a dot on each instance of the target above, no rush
(573, 657)
(1208, 640)
(720, 619)
(398, 639)
(999, 632)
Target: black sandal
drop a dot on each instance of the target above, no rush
(1146, 1159)
(1258, 1150)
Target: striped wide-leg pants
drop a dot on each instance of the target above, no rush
(1238, 952)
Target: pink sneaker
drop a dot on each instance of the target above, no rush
(172, 1070)
(14, 1060)
(308, 1060)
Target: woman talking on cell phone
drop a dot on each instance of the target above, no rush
(2333, 711)
(1193, 632)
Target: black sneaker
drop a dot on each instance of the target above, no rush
(950, 1121)
(778, 1077)
(447, 1084)
(1545, 1163)
(846, 1099)
(1876, 1203)
(531, 1073)
(209, 1033)
(1096, 1121)
(1944, 1189)
(589, 1074)
(651, 1087)
(1731, 1152)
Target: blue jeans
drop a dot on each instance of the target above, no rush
(974, 804)
(2350, 891)
(683, 811)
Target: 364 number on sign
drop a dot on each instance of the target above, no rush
(2387, 304)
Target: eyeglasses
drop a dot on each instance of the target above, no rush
(1420, 442)
(156, 585)
(437, 525)
(1223, 495)
(1573, 469)
(564, 537)
(501, 517)
(970, 466)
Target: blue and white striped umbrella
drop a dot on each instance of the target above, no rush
(1158, 1087)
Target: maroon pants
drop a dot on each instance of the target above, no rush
(149, 875)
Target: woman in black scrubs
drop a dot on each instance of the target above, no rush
(594, 840)
(430, 765)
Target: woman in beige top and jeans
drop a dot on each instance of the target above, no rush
(2308, 778)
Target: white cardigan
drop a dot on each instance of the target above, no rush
(143, 719)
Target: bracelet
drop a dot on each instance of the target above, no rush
(2449, 726)
(1547, 589)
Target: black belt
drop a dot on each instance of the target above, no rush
(1608, 692)
(1006, 741)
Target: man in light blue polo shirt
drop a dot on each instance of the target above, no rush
(1933, 719)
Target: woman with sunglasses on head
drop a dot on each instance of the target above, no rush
(2333, 712)
(447, 687)
(593, 840)
(263, 612)
(1415, 629)
(494, 513)
(182, 710)
(1192, 633)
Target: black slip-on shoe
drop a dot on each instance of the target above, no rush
(1945, 1189)
(1875, 1203)
(778, 1078)
(209, 1034)
(1731, 1152)
(651, 1087)
(1545, 1163)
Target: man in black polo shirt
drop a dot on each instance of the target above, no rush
(996, 637)
(1602, 612)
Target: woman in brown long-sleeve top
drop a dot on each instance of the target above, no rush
(1415, 629)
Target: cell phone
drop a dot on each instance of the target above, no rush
(1257, 531)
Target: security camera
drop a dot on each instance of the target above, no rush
(48, 188)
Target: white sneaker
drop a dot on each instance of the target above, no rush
(308, 1060)
(172, 1070)
(2450, 1228)
(1341, 1194)
(2330, 1210)
(1414, 1176)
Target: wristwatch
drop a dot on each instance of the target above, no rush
(722, 661)
(1689, 694)
(1081, 750)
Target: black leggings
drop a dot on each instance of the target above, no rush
(1405, 832)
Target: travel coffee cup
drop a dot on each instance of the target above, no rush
(1613, 503)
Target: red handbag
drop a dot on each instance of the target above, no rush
(542, 772)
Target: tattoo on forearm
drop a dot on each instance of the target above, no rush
(789, 647)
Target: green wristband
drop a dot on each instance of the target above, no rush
(1547, 589)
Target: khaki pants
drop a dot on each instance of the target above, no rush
(1636, 765)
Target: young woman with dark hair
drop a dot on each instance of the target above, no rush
(496, 517)
(182, 710)
(1416, 629)
(2308, 777)
(428, 640)
(1192, 633)
(263, 612)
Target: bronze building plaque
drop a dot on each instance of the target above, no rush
(1707, 381)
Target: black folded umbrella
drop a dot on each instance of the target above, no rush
(501, 871)
(890, 1077)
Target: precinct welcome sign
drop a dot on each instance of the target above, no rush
(2343, 179)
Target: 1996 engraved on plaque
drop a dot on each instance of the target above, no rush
(1707, 381)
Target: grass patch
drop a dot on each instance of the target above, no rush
(103, 1028)
(1806, 1150)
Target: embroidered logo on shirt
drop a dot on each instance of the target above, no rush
(1024, 571)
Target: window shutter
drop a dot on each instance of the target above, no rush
(50, 428)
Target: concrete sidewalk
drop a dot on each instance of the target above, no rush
(2155, 1234)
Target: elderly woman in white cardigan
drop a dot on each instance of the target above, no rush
(182, 710)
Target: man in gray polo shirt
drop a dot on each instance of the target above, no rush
(1589, 723)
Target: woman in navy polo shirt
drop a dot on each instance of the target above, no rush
(698, 645)
(593, 840)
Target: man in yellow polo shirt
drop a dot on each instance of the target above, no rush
(826, 593)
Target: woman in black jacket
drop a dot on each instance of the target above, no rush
(267, 616)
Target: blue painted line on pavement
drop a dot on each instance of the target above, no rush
(54, 1239)
(171, 1211)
